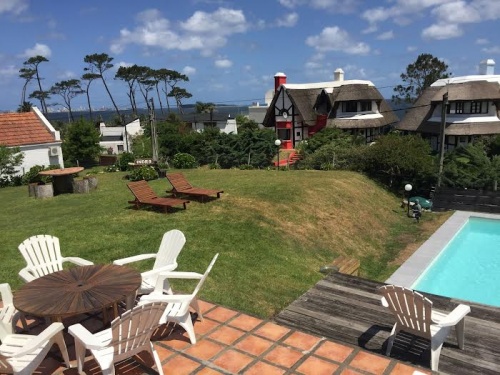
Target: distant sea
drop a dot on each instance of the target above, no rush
(109, 115)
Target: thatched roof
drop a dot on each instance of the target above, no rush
(476, 90)
(355, 92)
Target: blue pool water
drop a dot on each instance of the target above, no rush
(469, 266)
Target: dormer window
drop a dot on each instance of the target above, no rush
(350, 106)
(365, 106)
(460, 107)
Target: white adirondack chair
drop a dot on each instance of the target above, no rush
(414, 314)
(43, 256)
(165, 260)
(128, 335)
(8, 313)
(177, 310)
(22, 354)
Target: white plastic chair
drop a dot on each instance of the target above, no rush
(8, 313)
(177, 310)
(414, 314)
(22, 354)
(43, 256)
(128, 335)
(165, 260)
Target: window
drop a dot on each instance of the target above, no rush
(120, 148)
(459, 107)
(475, 107)
(366, 106)
(284, 134)
(350, 106)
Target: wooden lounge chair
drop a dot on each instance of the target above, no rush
(181, 186)
(145, 196)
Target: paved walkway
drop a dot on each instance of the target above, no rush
(230, 342)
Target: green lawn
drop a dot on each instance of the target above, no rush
(273, 230)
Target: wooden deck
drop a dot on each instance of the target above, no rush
(347, 309)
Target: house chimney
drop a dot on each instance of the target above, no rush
(338, 75)
(279, 79)
(487, 67)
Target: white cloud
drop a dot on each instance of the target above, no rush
(492, 50)
(337, 6)
(189, 70)
(13, 6)
(9, 71)
(442, 31)
(411, 48)
(202, 31)
(38, 49)
(124, 64)
(386, 36)
(289, 20)
(223, 63)
(482, 41)
(336, 39)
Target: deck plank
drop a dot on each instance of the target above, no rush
(347, 309)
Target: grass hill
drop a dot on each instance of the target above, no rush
(273, 230)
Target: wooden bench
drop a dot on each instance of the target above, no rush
(348, 266)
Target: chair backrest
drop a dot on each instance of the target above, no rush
(141, 190)
(171, 245)
(411, 309)
(42, 254)
(178, 181)
(133, 330)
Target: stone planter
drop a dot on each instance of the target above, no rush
(44, 191)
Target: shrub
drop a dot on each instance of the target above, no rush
(184, 161)
(143, 173)
(124, 159)
(247, 167)
(32, 175)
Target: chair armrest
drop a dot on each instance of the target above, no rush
(85, 336)
(168, 298)
(78, 261)
(38, 340)
(181, 275)
(455, 316)
(158, 271)
(26, 275)
(134, 258)
(6, 293)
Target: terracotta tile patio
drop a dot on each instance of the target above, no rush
(230, 342)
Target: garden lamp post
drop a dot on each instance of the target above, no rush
(277, 143)
(408, 188)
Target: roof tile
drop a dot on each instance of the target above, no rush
(20, 129)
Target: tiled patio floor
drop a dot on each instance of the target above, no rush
(230, 342)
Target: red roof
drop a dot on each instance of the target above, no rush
(19, 129)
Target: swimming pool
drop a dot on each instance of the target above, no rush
(461, 260)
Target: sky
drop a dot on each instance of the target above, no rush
(231, 49)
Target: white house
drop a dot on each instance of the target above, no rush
(118, 139)
(34, 135)
(472, 109)
(200, 121)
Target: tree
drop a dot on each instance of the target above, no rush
(129, 74)
(10, 158)
(32, 68)
(81, 142)
(146, 82)
(98, 63)
(170, 79)
(244, 123)
(27, 74)
(68, 90)
(179, 94)
(201, 107)
(24, 107)
(89, 77)
(426, 70)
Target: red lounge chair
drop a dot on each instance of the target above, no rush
(145, 196)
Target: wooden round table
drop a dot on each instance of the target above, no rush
(62, 179)
(78, 290)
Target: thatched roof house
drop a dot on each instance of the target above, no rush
(297, 111)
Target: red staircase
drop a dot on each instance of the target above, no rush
(293, 157)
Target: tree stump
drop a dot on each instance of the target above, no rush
(92, 182)
(44, 191)
(32, 189)
(80, 186)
